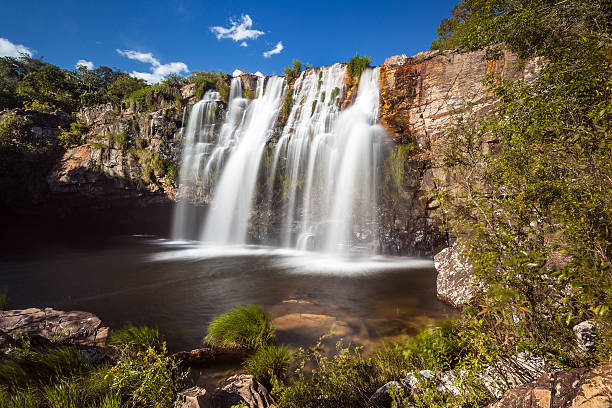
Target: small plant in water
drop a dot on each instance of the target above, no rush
(241, 327)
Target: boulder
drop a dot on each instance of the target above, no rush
(48, 325)
(382, 397)
(194, 397)
(582, 387)
(586, 336)
(238, 389)
(454, 282)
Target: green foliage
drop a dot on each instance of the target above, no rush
(287, 102)
(224, 90)
(356, 66)
(146, 378)
(151, 164)
(27, 398)
(117, 140)
(345, 380)
(210, 80)
(532, 209)
(74, 135)
(293, 71)
(269, 362)
(135, 337)
(28, 366)
(241, 327)
(62, 395)
(334, 94)
(249, 94)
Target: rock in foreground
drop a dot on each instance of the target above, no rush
(454, 281)
(238, 389)
(48, 325)
(582, 387)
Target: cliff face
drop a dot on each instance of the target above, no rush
(421, 98)
(133, 153)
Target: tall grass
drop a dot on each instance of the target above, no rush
(135, 337)
(243, 327)
(269, 362)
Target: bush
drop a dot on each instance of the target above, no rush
(74, 135)
(135, 338)
(269, 362)
(293, 71)
(356, 66)
(345, 380)
(241, 327)
(148, 378)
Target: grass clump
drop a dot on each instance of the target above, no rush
(269, 362)
(136, 338)
(245, 327)
(63, 394)
(74, 135)
(356, 66)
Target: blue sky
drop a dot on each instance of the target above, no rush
(147, 36)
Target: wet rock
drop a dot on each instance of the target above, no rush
(194, 397)
(582, 387)
(454, 281)
(49, 325)
(382, 396)
(207, 356)
(238, 389)
(586, 336)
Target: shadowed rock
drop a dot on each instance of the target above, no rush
(49, 325)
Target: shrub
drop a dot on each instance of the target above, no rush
(345, 380)
(148, 378)
(249, 94)
(135, 338)
(293, 71)
(74, 135)
(288, 102)
(118, 140)
(269, 362)
(241, 327)
(356, 66)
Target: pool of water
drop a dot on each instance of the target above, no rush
(180, 286)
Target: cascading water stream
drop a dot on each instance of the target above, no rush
(323, 167)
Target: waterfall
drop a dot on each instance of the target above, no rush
(228, 216)
(317, 184)
(197, 137)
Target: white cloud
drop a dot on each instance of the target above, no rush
(259, 74)
(237, 72)
(144, 57)
(276, 50)
(87, 64)
(238, 30)
(8, 49)
(244, 44)
(158, 71)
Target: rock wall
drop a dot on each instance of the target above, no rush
(420, 99)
